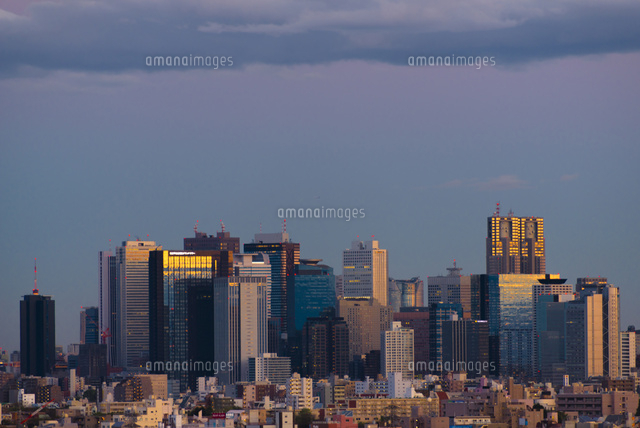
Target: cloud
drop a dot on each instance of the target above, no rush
(503, 182)
(569, 177)
(117, 35)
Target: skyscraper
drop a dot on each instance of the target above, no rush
(240, 324)
(452, 288)
(132, 305)
(223, 241)
(515, 245)
(405, 293)
(315, 288)
(550, 336)
(545, 338)
(366, 319)
(283, 255)
(627, 352)
(325, 346)
(109, 298)
(465, 346)
(89, 322)
(37, 334)
(174, 277)
(438, 314)
(365, 271)
(417, 318)
(511, 315)
(397, 351)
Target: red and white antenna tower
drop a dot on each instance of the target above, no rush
(222, 226)
(195, 227)
(498, 209)
(284, 226)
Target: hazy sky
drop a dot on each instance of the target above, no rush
(319, 109)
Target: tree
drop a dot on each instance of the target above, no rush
(304, 418)
(91, 395)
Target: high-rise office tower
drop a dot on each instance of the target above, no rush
(417, 319)
(438, 314)
(37, 334)
(339, 287)
(283, 255)
(397, 351)
(515, 245)
(365, 271)
(627, 352)
(176, 279)
(366, 319)
(511, 314)
(109, 298)
(590, 285)
(325, 346)
(465, 346)
(404, 293)
(549, 338)
(548, 287)
(240, 323)
(314, 286)
(602, 327)
(132, 306)
(89, 322)
(223, 241)
(611, 331)
(452, 288)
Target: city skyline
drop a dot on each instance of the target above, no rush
(318, 107)
(64, 329)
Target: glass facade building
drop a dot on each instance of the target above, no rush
(283, 256)
(405, 293)
(314, 290)
(178, 280)
(511, 321)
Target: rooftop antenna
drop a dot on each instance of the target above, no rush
(222, 226)
(260, 227)
(195, 228)
(284, 226)
(498, 209)
(35, 275)
(455, 270)
(510, 213)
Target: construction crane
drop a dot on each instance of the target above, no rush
(37, 411)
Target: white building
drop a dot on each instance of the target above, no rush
(240, 322)
(365, 271)
(270, 367)
(627, 353)
(397, 351)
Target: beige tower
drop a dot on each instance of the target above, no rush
(365, 271)
(366, 319)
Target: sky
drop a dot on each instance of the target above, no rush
(320, 108)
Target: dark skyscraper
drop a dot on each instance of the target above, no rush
(37, 334)
(221, 242)
(180, 295)
(325, 345)
(515, 245)
(283, 255)
(89, 331)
